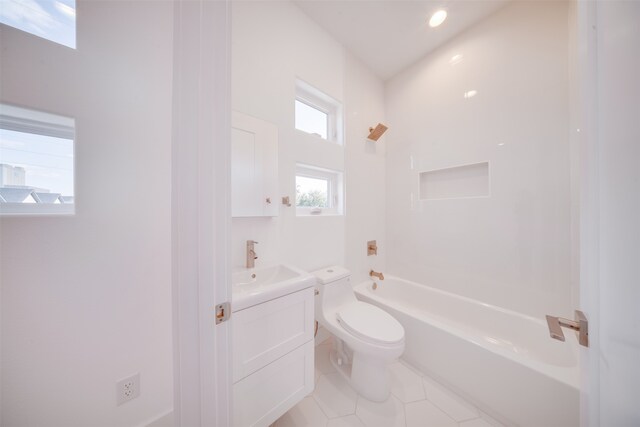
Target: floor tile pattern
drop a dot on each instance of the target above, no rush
(416, 401)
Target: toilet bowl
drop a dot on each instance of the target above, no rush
(368, 338)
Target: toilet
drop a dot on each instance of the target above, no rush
(367, 338)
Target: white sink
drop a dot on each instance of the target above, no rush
(257, 285)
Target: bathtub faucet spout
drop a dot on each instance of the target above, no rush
(376, 274)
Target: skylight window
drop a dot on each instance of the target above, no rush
(54, 20)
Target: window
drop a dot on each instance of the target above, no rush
(36, 162)
(54, 20)
(318, 191)
(311, 120)
(316, 113)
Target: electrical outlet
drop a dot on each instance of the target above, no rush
(127, 389)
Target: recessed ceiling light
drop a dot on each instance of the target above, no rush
(456, 59)
(470, 94)
(438, 18)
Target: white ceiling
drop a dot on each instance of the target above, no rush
(390, 35)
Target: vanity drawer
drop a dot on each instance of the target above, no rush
(267, 331)
(264, 396)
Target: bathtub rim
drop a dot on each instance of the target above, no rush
(568, 375)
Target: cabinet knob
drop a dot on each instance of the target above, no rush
(269, 200)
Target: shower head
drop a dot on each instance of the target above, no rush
(376, 133)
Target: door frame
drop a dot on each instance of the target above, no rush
(589, 247)
(201, 217)
(201, 210)
(609, 229)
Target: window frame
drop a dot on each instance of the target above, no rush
(35, 122)
(59, 16)
(324, 103)
(335, 190)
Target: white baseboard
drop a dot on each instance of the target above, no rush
(164, 420)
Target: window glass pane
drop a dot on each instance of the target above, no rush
(311, 120)
(35, 166)
(53, 20)
(312, 192)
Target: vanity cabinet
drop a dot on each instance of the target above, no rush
(254, 167)
(273, 352)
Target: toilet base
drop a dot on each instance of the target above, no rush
(366, 375)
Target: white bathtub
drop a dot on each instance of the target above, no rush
(502, 361)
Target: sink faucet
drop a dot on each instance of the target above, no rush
(251, 254)
(376, 274)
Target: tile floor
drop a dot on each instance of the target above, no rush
(416, 401)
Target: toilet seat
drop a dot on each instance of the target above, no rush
(370, 323)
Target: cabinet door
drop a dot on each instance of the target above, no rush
(267, 394)
(254, 167)
(267, 331)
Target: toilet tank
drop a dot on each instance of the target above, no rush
(334, 286)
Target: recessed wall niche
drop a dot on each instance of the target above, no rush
(456, 182)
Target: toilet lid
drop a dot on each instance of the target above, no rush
(370, 323)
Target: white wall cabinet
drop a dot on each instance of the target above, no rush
(254, 167)
(273, 355)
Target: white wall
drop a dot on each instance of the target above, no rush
(512, 248)
(86, 299)
(273, 43)
(365, 170)
(617, 345)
